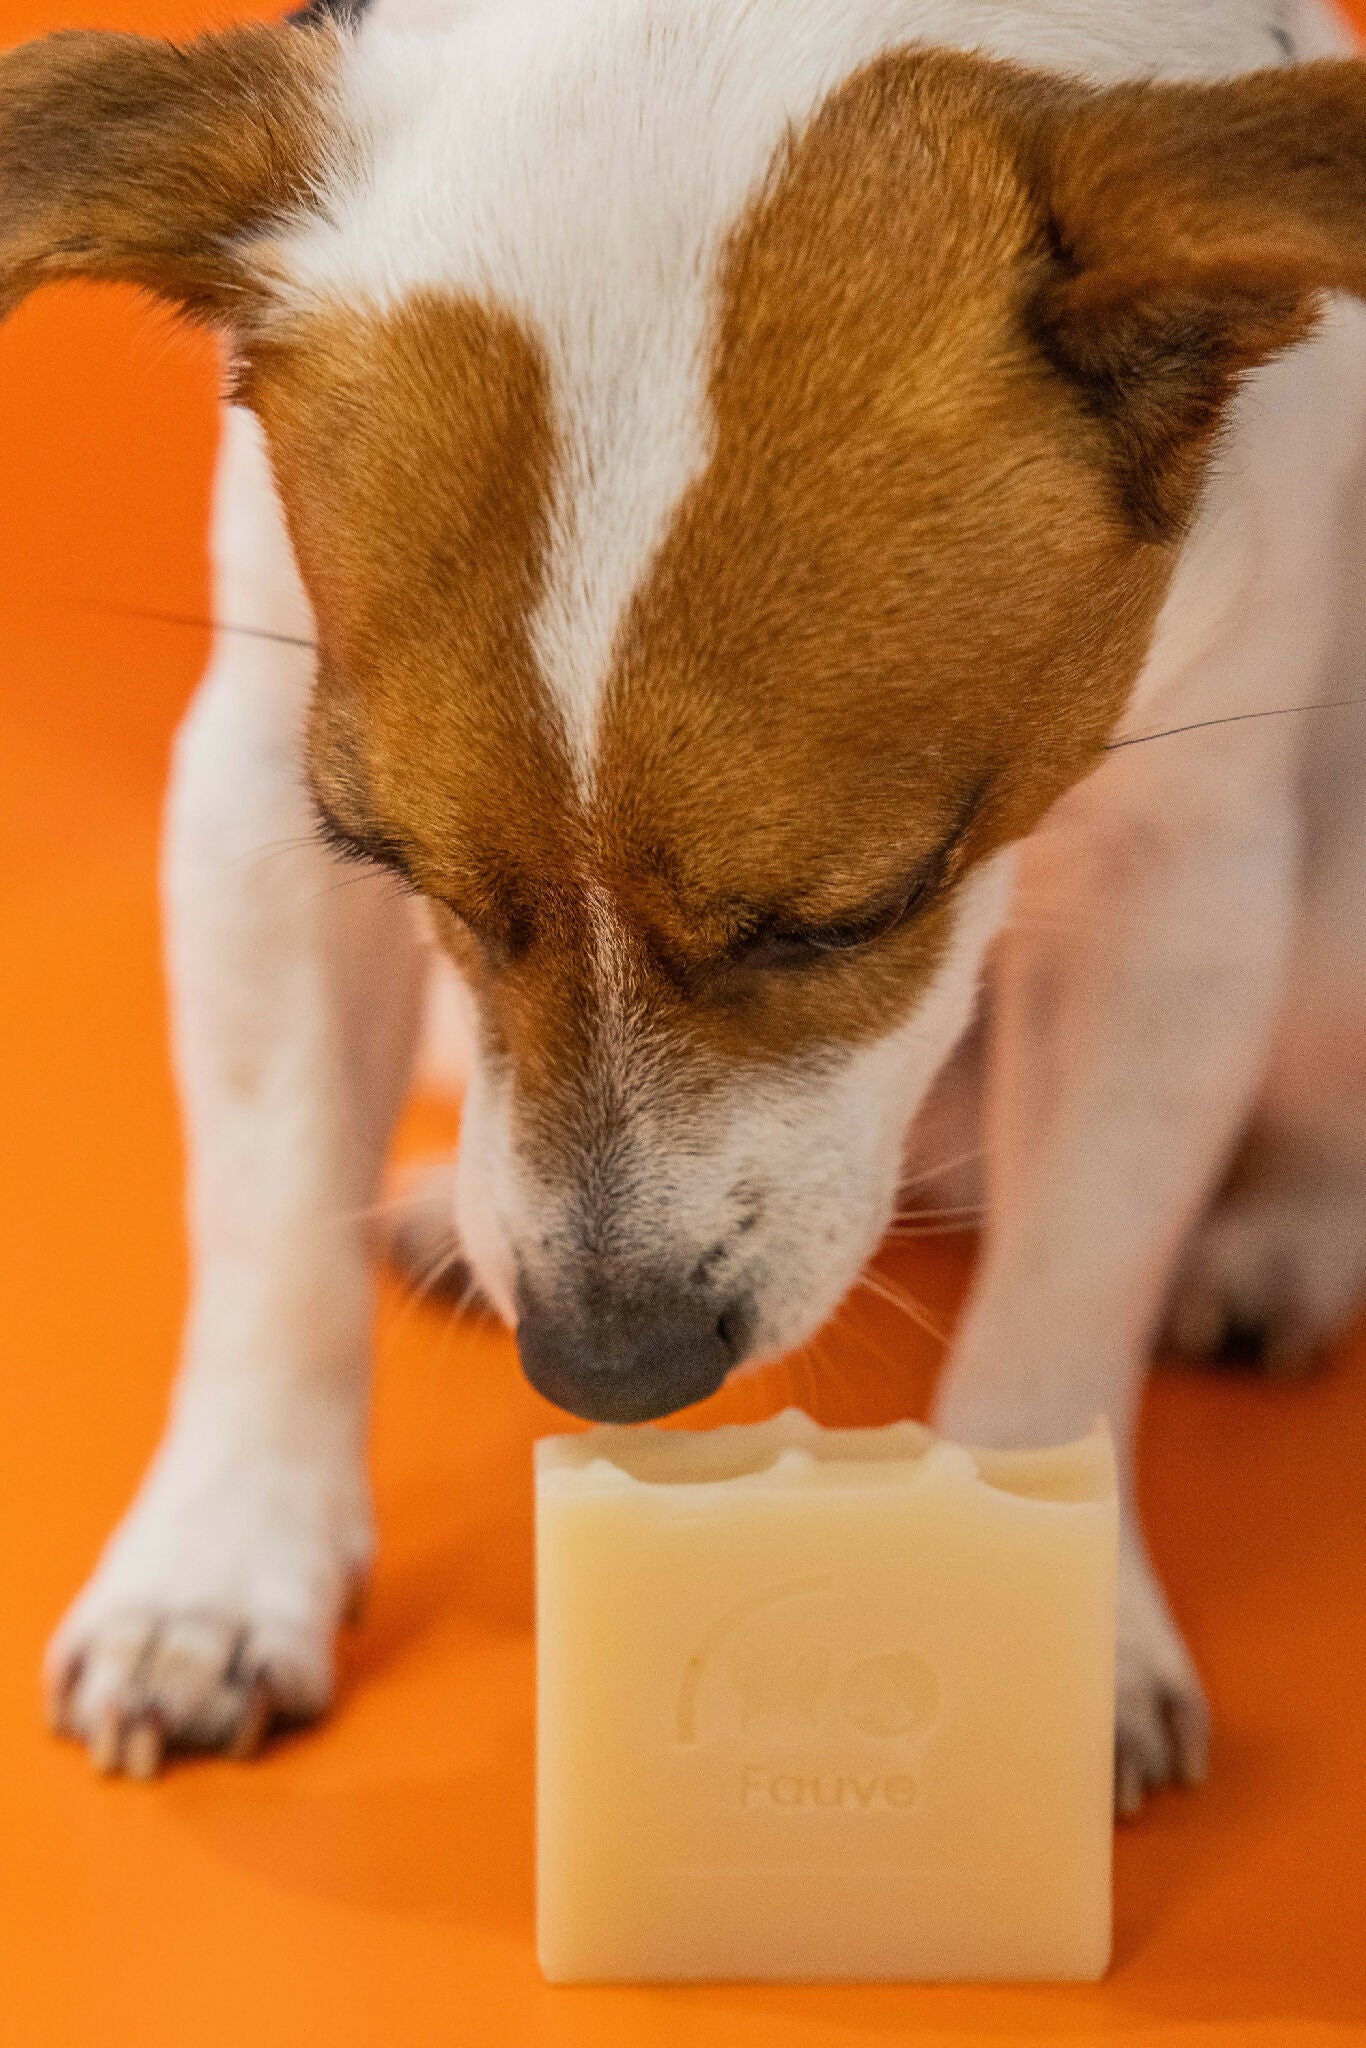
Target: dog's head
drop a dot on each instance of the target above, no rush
(722, 550)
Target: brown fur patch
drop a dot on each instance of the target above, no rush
(903, 593)
(1195, 226)
(415, 456)
(893, 621)
(152, 163)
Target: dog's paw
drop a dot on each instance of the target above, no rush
(209, 1621)
(1161, 1734)
(133, 1682)
(1161, 1719)
(1270, 1277)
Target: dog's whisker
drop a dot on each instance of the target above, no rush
(451, 1325)
(897, 1297)
(941, 1167)
(825, 1352)
(154, 616)
(399, 890)
(854, 1329)
(911, 1227)
(904, 1233)
(1142, 739)
(374, 1212)
(418, 1288)
(935, 1212)
(946, 1212)
(413, 1302)
(469, 1295)
(451, 1255)
(279, 847)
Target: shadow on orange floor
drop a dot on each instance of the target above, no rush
(370, 1883)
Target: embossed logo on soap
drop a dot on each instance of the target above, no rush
(826, 1791)
(772, 1671)
(896, 1694)
(779, 1686)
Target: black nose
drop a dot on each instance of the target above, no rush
(629, 1357)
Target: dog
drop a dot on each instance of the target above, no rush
(819, 540)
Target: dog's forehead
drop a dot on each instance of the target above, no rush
(729, 284)
(580, 169)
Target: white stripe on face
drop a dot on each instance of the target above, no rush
(780, 1184)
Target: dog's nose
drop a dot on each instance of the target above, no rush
(629, 1357)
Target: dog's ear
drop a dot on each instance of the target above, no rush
(1194, 229)
(154, 163)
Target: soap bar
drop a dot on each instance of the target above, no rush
(820, 1705)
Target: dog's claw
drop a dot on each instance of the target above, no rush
(106, 1742)
(1128, 1784)
(144, 1747)
(1163, 1741)
(1187, 1722)
(249, 1736)
(57, 1698)
(136, 1745)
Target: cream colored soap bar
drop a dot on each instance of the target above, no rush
(823, 1704)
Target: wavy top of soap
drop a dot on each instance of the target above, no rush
(791, 1450)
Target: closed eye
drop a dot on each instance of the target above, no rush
(782, 944)
(778, 942)
(370, 846)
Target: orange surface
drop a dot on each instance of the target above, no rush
(370, 1883)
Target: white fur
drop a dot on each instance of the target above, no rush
(581, 161)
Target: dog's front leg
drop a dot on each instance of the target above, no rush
(293, 980)
(1133, 999)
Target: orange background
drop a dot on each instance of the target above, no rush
(370, 1883)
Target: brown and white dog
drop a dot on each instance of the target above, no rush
(751, 470)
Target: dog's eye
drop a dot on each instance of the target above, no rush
(371, 848)
(784, 945)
